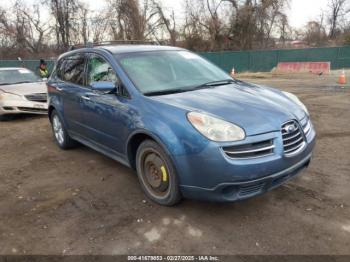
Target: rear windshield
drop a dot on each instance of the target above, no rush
(17, 76)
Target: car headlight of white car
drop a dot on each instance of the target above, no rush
(8, 96)
(296, 100)
(215, 129)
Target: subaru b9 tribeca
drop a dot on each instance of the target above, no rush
(185, 126)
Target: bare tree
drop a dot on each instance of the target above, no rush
(254, 23)
(338, 9)
(64, 12)
(192, 32)
(38, 29)
(243, 25)
(209, 25)
(98, 26)
(82, 23)
(24, 29)
(236, 24)
(133, 20)
(168, 22)
(284, 29)
(207, 20)
(315, 34)
(213, 23)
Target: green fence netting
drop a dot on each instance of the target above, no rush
(253, 61)
(266, 60)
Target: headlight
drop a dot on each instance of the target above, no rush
(8, 96)
(215, 129)
(296, 100)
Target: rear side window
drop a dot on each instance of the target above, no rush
(71, 69)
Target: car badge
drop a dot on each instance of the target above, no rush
(290, 128)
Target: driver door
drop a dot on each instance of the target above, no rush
(104, 114)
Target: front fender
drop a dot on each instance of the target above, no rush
(169, 125)
(175, 133)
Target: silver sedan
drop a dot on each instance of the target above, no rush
(21, 91)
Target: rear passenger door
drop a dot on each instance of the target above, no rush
(71, 75)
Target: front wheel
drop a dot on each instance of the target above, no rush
(61, 136)
(157, 174)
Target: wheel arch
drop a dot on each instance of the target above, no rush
(136, 139)
(53, 108)
(50, 110)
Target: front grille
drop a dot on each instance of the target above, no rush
(41, 97)
(251, 150)
(30, 109)
(293, 138)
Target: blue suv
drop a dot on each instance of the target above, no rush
(187, 127)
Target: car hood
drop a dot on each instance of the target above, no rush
(255, 108)
(25, 89)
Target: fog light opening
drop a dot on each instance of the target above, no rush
(229, 191)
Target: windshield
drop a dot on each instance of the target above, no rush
(16, 76)
(167, 71)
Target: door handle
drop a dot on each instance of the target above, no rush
(59, 88)
(86, 98)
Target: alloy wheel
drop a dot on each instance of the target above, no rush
(58, 129)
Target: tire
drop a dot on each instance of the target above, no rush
(60, 133)
(156, 174)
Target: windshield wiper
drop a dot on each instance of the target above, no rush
(23, 82)
(215, 83)
(165, 92)
(202, 86)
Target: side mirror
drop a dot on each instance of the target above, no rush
(104, 87)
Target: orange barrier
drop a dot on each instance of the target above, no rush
(311, 67)
(342, 78)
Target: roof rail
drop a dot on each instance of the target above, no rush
(114, 42)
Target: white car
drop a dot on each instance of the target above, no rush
(21, 91)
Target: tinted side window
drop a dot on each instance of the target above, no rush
(100, 70)
(71, 69)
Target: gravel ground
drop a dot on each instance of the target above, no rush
(81, 202)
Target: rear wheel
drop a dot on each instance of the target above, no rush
(157, 174)
(61, 136)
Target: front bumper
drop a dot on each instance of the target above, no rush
(228, 192)
(210, 175)
(22, 107)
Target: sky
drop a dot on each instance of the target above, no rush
(300, 12)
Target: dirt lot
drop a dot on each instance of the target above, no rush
(80, 202)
